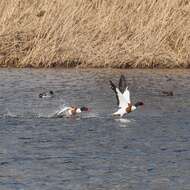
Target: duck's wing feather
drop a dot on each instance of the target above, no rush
(126, 95)
(121, 101)
(62, 111)
(124, 89)
(113, 87)
(122, 84)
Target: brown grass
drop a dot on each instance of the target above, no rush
(95, 33)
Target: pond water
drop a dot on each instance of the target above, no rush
(150, 149)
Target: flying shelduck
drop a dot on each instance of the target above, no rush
(123, 98)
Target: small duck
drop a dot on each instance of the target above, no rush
(48, 94)
(123, 98)
(168, 93)
(71, 111)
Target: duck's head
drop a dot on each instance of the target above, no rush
(51, 92)
(84, 108)
(40, 95)
(139, 104)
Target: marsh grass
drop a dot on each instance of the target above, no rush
(95, 33)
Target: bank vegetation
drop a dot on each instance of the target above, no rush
(95, 33)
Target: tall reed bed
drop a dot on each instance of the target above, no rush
(95, 33)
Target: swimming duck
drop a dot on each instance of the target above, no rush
(70, 111)
(167, 93)
(123, 98)
(48, 94)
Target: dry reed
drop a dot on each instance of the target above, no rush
(95, 33)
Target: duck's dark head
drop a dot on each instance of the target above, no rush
(84, 108)
(139, 104)
(41, 95)
(51, 92)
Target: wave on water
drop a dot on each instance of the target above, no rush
(11, 114)
(124, 122)
(8, 113)
(53, 114)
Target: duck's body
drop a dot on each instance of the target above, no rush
(48, 94)
(123, 98)
(70, 111)
(167, 93)
(122, 111)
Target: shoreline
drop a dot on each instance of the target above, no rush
(97, 68)
(54, 66)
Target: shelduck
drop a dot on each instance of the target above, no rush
(123, 98)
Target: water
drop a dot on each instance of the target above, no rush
(150, 149)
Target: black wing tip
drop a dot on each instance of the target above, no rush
(122, 79)
(112, 85)
(111, 82)
(122, 83)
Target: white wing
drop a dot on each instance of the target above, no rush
(62, 111)
(122, 101)
(121, 112)
(126, 95)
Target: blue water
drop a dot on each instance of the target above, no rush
(150, 149)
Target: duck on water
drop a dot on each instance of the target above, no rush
(123, 98)
(122, 95)
(48, 94)
(71, 111)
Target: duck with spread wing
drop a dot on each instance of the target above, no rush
(123, 98)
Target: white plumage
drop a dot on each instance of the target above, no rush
(123, 99)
